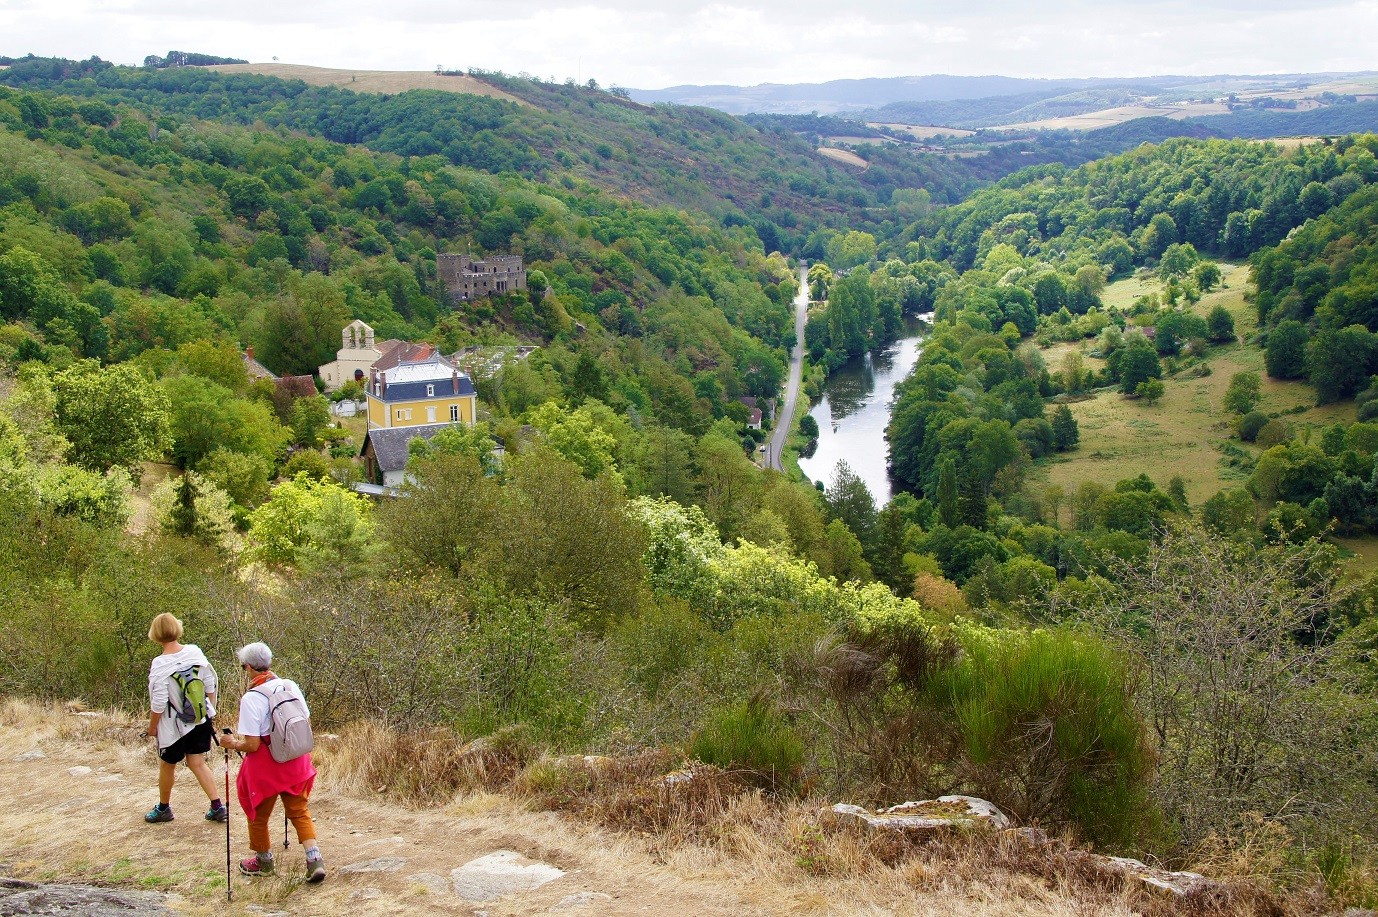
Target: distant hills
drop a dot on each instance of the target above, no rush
(976, 102)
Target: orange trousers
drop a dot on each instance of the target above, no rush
(297, 813)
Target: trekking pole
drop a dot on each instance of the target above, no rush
(229, 888)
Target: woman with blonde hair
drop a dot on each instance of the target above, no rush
(181, 700)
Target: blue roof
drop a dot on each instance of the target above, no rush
(416, 391)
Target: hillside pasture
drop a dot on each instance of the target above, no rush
(921, 131)
(1188, 431)
(383, 82)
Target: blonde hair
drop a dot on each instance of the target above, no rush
(165, 628)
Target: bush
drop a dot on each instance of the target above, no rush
(1051, 732)
(752, 738)
(1250, 425)
(1274, 433)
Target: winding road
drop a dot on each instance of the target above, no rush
(784, 418)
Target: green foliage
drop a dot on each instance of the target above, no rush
(112, 416)
(1150, 390)
(1066, 434)
(755, 739)
(192, 506)
(1244, 392)
(1285, 353)
(1251, 424)
(316, 522)
(1049, 726)
(206, 417)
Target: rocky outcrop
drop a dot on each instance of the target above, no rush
(1180, 884)
(21, 899)
(929, 815)
(502, 873)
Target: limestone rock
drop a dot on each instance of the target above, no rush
(592, 763)
(928, 815)
(79, 771)
(31, 755)
(1173, 883)
(676, 778)
(378, 864)
(21, 899)
(367, 893)
(501, 873)
(580, 899)
(435, 884)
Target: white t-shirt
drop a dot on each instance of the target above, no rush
(170, 728)
(255, 710)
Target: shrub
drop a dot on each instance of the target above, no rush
(1051, 733)
(754, 739)
(1250, 425)
(1274, 433)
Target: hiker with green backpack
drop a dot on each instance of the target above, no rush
(181, 700)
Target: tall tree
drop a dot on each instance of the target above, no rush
(113, 417)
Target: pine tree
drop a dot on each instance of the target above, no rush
(1066, 435)
(947, 493)
(184, 510)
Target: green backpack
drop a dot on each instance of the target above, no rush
(189, 706)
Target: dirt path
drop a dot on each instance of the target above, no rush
(76, 815)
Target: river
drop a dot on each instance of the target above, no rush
(854, 411)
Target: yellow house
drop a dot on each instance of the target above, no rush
(415, 386)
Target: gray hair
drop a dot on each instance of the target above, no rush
(256, 656)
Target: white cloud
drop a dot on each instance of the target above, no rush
(721, 41)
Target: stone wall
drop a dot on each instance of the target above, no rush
(465, 279)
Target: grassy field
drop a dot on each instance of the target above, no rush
(1183, 433)
(846, 157)
(922, 131)
(380, 81)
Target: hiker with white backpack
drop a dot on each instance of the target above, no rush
(275, 738)
(181, 699)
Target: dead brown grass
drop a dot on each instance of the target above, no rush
(385, 82)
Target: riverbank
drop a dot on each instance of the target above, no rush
(854, 412)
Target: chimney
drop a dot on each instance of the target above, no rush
(455, 379)
(383, 380)
(249, 351)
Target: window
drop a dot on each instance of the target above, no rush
(377, 389)
(430, 391)
(454, 413)
(399, 413)
(408, 413)
(430, 415)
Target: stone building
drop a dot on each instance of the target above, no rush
(465, 279)
(358, 352)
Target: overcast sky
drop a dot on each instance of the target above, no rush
(650, 45)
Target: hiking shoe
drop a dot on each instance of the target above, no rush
(220, 814)
(158, 813)
(315, 870)
(254, 866)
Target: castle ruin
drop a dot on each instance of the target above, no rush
(465, 279)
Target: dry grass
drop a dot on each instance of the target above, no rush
(923, 131)
(846, 157)
(706, 845)
(379, 81)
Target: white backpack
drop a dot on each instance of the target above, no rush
(290, 737)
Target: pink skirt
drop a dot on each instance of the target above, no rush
(261, 777)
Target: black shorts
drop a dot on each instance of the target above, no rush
(196, 742)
